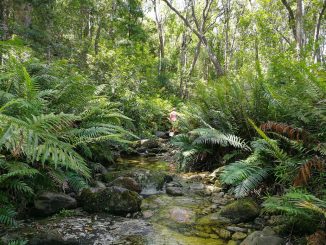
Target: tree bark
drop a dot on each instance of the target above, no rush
(217, 65)
(97, 38)
(161, 38)
(183, 64)
(291, 17)
(317, 51)
(299, 27)
(4, 19)
(4, 16)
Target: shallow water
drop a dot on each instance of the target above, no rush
(165, 220)
(174, 218)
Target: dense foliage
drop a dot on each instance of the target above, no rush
(81, 79)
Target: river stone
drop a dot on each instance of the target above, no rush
(181, 215)
(241, 210)
(115, 200)
(149, 143)
(222, 233)
(174, 191)
(48, 203)
(266, 236)
(239, 236)
(162, 135)
(147, 179)
(214, 219)
(126, 182)
(236, 229)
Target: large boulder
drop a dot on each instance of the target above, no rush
(241, 210)
(264, 237)
(48, 203)
(126, 182)
(149, 143)
(114, 200)
(147, 179)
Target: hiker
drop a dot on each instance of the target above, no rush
(174, 121)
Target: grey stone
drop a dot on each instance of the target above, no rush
(241, 210)
(126, 182)
(266, 236)
(236, 229)
(48, 203)
(174, 191)
(115, 200)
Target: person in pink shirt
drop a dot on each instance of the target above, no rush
(174, 121)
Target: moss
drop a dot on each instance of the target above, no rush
(241, 210)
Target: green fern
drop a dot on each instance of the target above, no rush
(296, 202)
(213, 136)
(7, 215)
(18, 242)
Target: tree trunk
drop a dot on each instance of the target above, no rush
(317, 50)
(4, 16)
(161, 38)
(97, 38)
(217, 65)
(183, 64)
(4, 27)
(299, 27)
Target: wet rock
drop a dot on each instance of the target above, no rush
(115, 200)
(99, 184)
(98, 168)
(155, 151)
(241, 210)
(214, 219)
(239, 236)
(174, 191)
(266, 236)
(162, 135)
(126, 182)
(181, 215)
(236, 229)
(231, 242)
(173, 184)
(48, 203)
(222, 233)
(149, 143)
(148, 213)
(148, 179)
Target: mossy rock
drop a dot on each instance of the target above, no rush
(143, 177)
(264, 237)
(214, 219)
(114, 200)
(126, 182)
(241, 210)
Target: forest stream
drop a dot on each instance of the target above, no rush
(188, 215)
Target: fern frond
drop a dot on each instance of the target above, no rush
(305, 170)
(279, 153)
(251, 182)
(215, 137)
(285, 129)
(7, 215)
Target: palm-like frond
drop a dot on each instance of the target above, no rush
(215, 137)
(7, 215)
(35, 138)
(296, 202)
